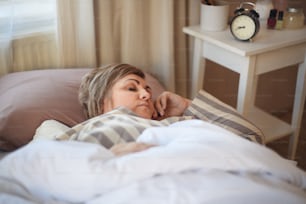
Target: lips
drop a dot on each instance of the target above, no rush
(144, 104)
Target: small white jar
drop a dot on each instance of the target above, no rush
(294, 18)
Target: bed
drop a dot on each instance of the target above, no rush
(206, 160)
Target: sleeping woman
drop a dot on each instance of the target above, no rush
(118, 102)
(122, 85)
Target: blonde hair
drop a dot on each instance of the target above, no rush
(97, 84)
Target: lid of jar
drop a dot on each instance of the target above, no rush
(294, 10)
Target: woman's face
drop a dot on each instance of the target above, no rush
(133, 93)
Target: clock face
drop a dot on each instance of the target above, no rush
(243, 27)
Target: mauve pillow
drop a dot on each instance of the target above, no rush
(31, 97)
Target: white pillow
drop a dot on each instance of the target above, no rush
(49, 129)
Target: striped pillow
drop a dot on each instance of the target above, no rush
(208, 108)
(118, 126)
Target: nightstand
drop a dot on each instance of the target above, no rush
(271, 50)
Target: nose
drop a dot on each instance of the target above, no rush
(144, 94)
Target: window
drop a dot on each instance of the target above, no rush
(20, 17)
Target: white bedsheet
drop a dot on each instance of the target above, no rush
(193, 162)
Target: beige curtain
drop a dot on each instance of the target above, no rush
(5, 55)
(76, 33)
(145, 33)
(148, 34)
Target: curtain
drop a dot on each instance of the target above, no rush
(148, 34)
(140, 33)
(144, 33)
(76, 33)
(91, 33)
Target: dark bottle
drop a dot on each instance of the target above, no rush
(271, 22)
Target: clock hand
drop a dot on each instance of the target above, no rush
(240, 27)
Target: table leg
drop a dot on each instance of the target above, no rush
(299, 100)
(246, 87)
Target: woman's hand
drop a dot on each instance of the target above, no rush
(130, 147)
(170, 104)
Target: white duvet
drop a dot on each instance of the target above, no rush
(193, 162)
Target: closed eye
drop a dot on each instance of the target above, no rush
(132, 89)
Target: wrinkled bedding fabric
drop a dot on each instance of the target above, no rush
(192, 162)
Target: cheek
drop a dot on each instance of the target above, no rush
(122, 100)
(107, 105)
(152, 106)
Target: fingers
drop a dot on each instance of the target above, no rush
(170, 104)
(161, 103)
(155, 114)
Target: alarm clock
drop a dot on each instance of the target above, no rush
(245, 23)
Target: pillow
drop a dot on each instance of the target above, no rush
(208, 108)
(117, 126)
(31, 97)
(49, 129)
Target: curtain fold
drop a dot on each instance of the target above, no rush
(76, 33)
(5, 54)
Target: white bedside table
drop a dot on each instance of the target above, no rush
(271, 50)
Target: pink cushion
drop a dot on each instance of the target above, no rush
(29, 98)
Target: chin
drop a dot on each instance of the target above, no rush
(145, 115)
